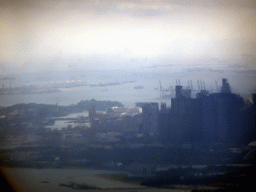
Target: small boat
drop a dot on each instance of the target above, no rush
(139, 87)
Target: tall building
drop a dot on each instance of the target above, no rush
(150, 112)
(92, 114)
(175, 123)
(207, 119)
(220, 115)
(225, 86)
(248, 132)
(163, 107)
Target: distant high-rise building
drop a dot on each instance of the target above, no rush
(225, 86)
(220, 114)
(207, 119)
(92, 113)
(202, 93)
(182, 101)
(163, 106)
(150, 112)
(174, 123)
(186, 93)
(248, 128)
(178, 91)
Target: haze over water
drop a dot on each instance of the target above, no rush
(241, 83)
(143, 40)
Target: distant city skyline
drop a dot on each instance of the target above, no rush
(58, 35)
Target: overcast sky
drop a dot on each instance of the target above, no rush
(51, 34)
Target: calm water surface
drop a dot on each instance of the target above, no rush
(125, 93)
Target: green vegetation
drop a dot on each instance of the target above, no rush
(99, 105)
(42, 111)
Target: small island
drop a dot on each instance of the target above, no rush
(46, 110)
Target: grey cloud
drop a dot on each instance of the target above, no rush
(150, 12)
(163, 7)
(215, 3)
(74, 3)
(141, 7)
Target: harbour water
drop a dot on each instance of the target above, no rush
(124, 93)
(59, 124)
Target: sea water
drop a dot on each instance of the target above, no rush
(241, 83)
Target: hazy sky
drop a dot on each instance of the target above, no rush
(51, 34)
